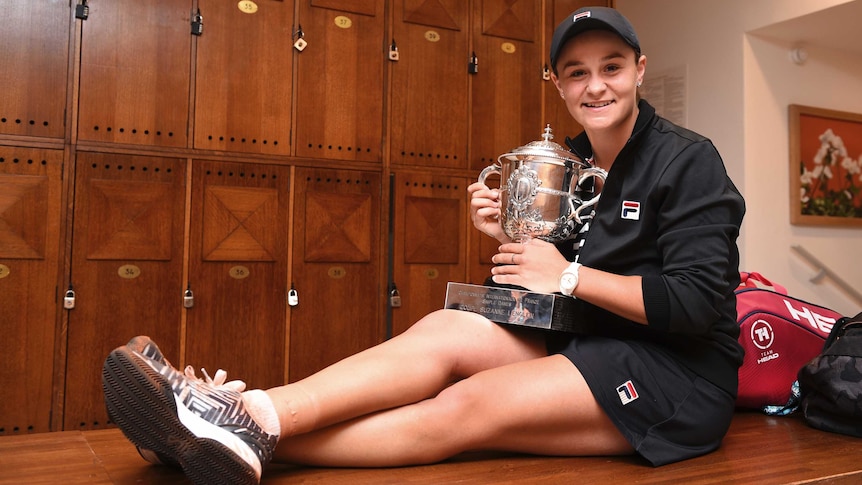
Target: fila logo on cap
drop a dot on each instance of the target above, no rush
(631, 210)
(627, 392)
(581, 15)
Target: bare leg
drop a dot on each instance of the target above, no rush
(441, 348)
(539, 406)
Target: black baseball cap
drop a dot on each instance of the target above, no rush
(589, 18)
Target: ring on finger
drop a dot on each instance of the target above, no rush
(513, 258)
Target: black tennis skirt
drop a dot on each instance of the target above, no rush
(667, 412)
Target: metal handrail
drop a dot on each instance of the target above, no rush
(823, 271)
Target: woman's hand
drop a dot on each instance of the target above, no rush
(535, 265)
(485, 211)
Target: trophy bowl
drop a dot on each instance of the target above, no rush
(544, 190)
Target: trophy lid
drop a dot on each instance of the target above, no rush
(543, 149)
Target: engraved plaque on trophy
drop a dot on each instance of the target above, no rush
(542, 195)
(513, 306)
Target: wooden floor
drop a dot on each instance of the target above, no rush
(758, 450)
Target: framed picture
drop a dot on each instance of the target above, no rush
(825, 167)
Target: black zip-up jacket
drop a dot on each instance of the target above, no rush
(669, 212)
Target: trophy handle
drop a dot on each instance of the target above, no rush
(489, 170)
(586, 174)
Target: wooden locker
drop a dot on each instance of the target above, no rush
(34, 60)
(482, 249)
(340, 80)
(135, 68)
(243, 77)
(506, 98)
(555, 108)
(238, 258)
(430, 220)
(507, 90)
(126, 269)
(337, 267)
(430, 83)
(30, 222)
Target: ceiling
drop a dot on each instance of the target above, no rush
(832, 28)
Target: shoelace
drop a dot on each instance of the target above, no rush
(218, 382)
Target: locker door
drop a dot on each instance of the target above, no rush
(30, 209)
(336, 267)
(430, 83)
(340, 80)
(127, 256)
(507, 90)
(430, 242)
(135, 58)
(35, 58)
(243, 77)
(238, 258)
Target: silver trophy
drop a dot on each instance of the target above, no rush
(542, 187)
(544, 193)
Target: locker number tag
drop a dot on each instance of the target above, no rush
(247, 6)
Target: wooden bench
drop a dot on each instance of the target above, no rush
(758, 450)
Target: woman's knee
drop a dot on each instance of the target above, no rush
(453, 323)
(467, 343)
(452, 421)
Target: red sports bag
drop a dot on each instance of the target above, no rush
(780, 334)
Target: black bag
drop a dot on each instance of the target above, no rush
(831, 383)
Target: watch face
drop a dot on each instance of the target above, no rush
(568, 280)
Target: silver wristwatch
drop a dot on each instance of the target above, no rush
(569, 279)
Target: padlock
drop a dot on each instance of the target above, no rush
(393, 51)
(546, 73)
(198, 23)
(188, 298)
(394, 298)
(292, 296)
(300, 43)
(473, 65)
(82, 11)
(69, 299)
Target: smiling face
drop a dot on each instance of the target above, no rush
(597, 75)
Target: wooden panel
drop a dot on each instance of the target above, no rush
(243, 77)
(430, 83)
(35, 58)
(30, 201)
(238, 270)
(555, 108)
(363, 7)
(796, 453)
(482, 248)
(135, 65)
(507, 91)
(126, 268)
(340, 81)
(336, 268)
(430, 242)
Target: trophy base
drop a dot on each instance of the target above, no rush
(513, 307)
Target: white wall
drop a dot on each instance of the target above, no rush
(739, 88)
